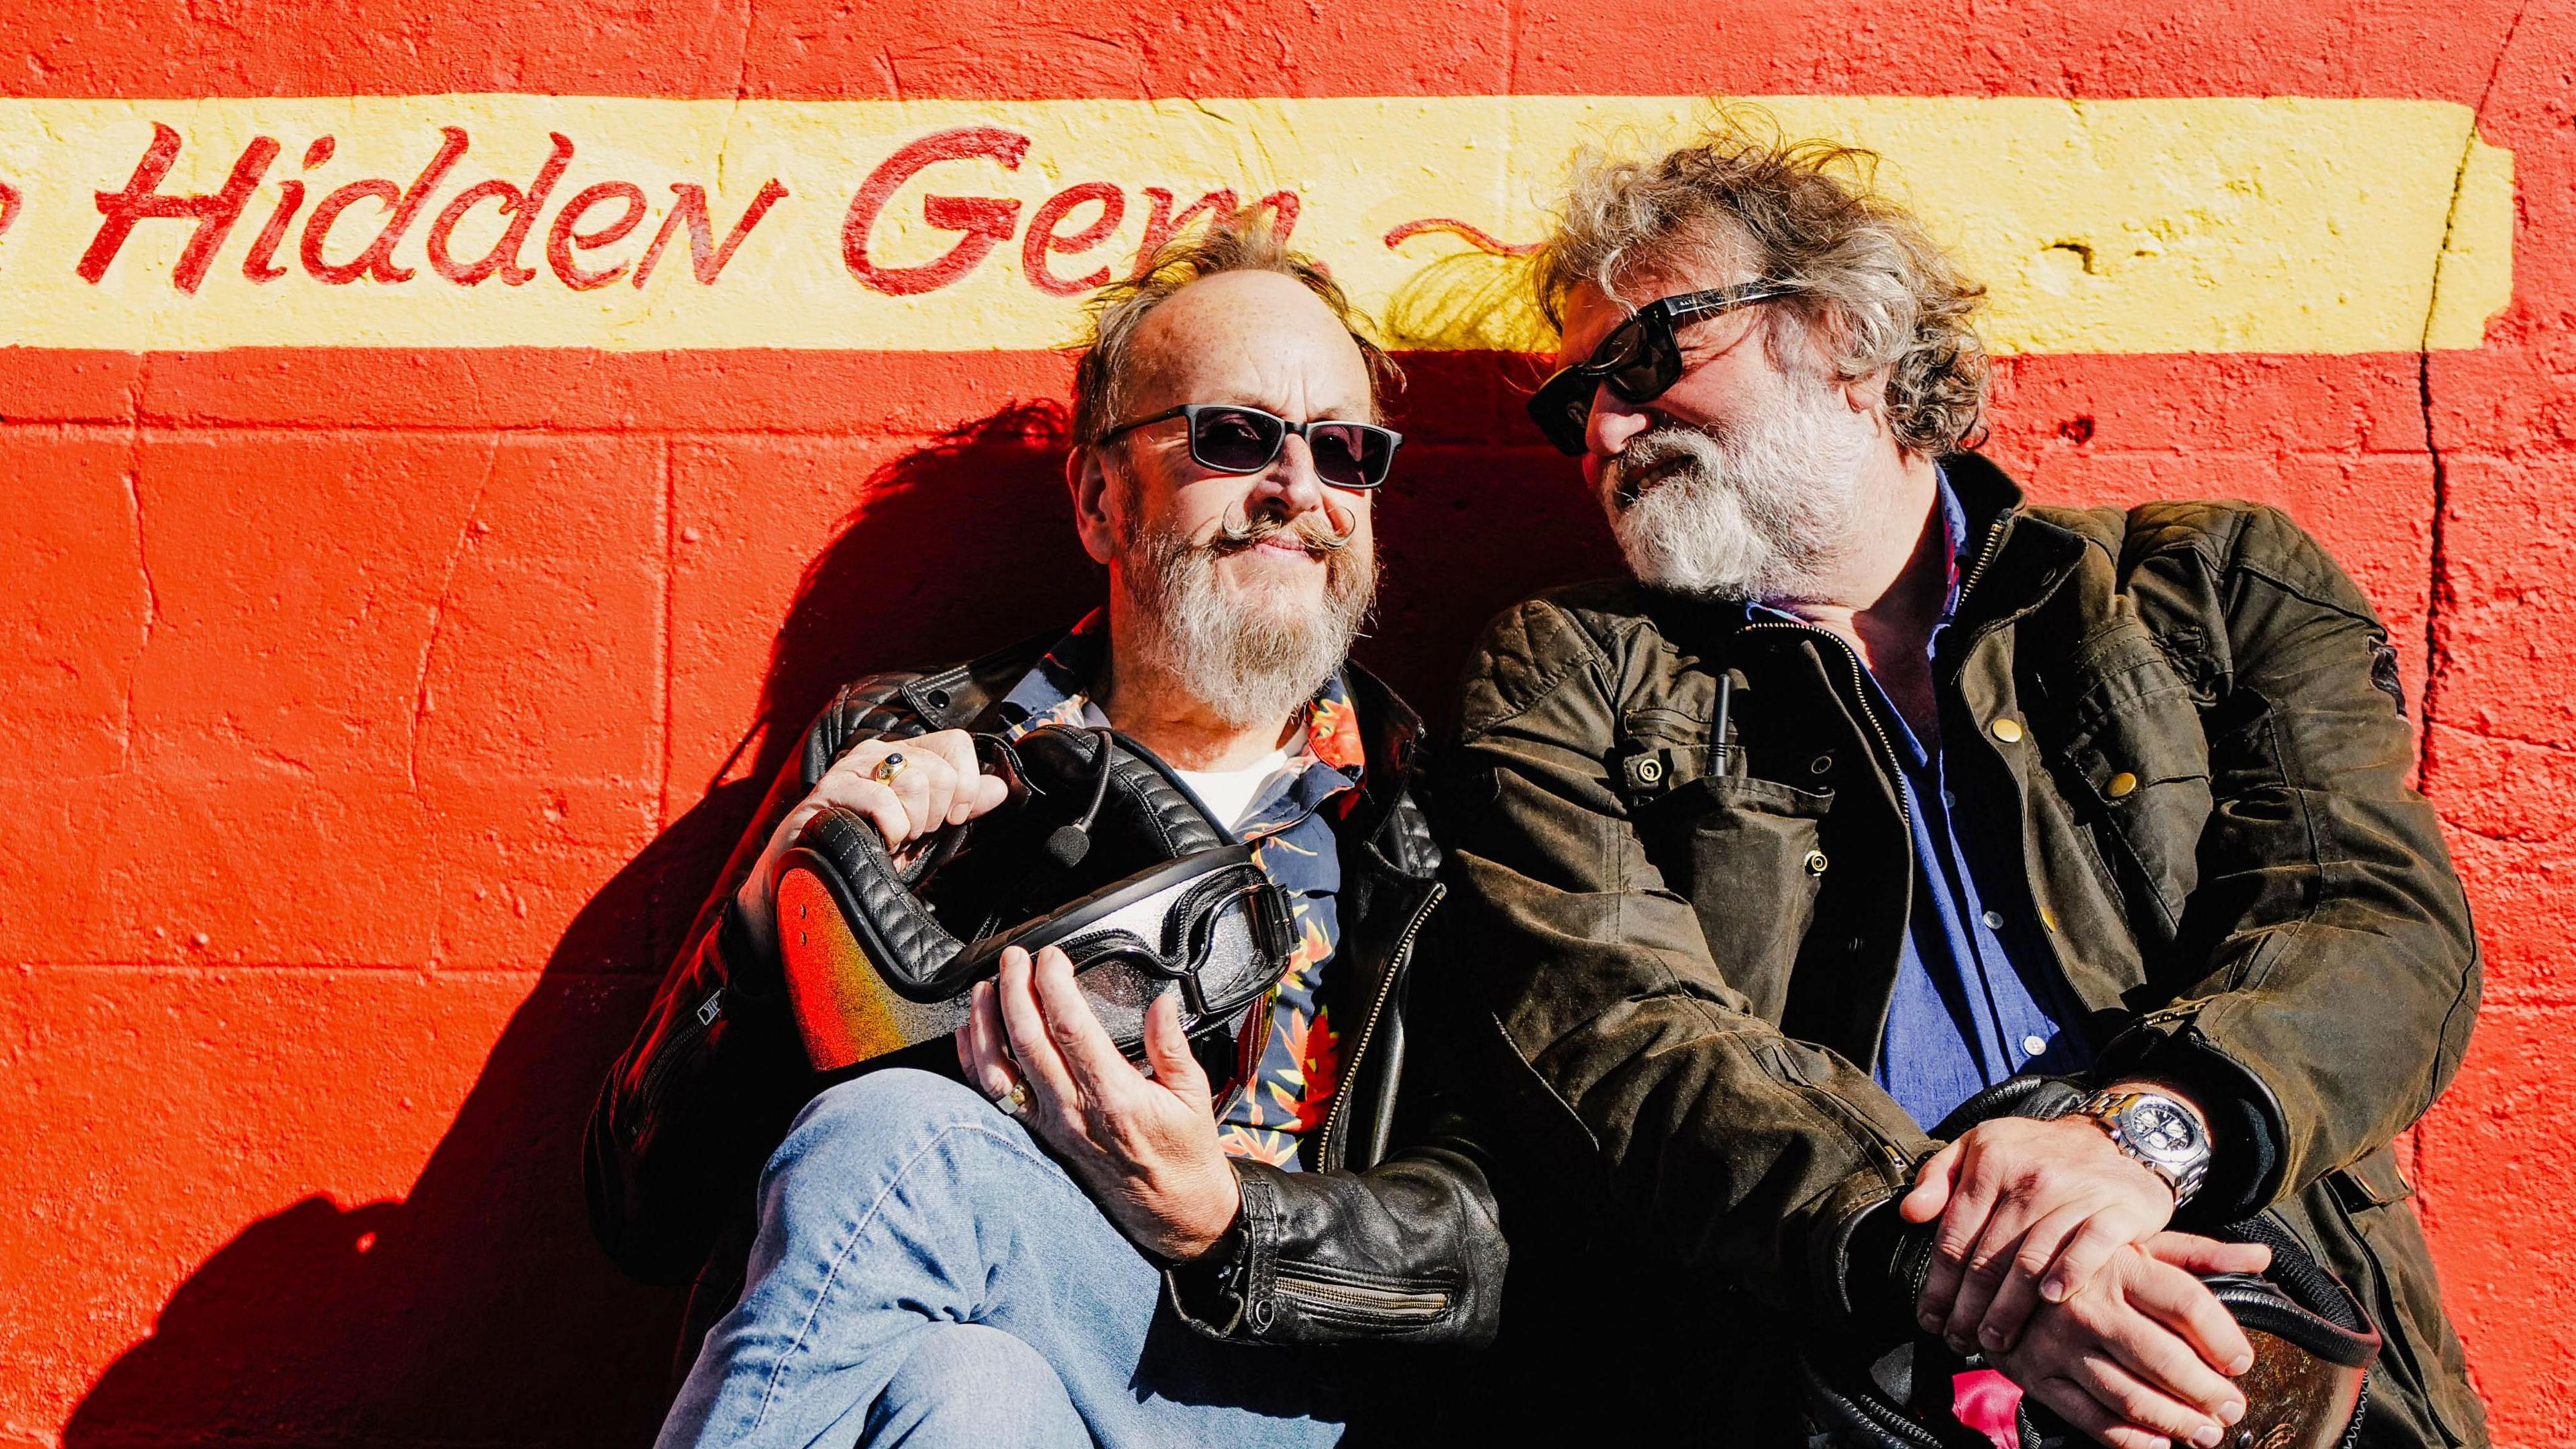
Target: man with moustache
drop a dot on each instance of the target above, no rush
(1023, 1239)
(1880, 787)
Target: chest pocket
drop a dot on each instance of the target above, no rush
(2133, 759)
(1749, 850)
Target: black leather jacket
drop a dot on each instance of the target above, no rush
(1385, 1243)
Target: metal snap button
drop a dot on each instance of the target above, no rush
(937, 699)
(1820, 764)
(2007, 730)
(1815, 862)
(2121, 784)
(1650, 769)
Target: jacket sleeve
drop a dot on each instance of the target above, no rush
(1408, 1251)
(2341, 974)
(1641, 1077)
(717, 1071)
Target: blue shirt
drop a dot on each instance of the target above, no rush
(1978, 997)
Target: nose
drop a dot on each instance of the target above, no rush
(1291, 478)
(1612, 423)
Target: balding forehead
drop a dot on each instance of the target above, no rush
(1250, 332)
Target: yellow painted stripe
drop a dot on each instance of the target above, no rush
(2200, 224)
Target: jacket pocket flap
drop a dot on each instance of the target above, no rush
(1752, 792)
(2372, 1182)
(2128, 714)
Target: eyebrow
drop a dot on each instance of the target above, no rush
(1367, 411)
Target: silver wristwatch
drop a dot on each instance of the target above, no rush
(2158, 1131)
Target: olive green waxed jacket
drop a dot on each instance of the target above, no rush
(1687, 946)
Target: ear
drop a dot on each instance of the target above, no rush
(1867, 393)
(1089, 484)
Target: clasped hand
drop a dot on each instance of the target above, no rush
(940, 782)
(1145, 1147)
(2051, 1259)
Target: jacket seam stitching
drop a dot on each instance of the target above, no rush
(2308, 596)
(1596, 654)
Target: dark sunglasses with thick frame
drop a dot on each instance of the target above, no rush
(1233, 438)
(1639, 361)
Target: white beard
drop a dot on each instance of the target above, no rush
(1765, 512)
(1251, 660)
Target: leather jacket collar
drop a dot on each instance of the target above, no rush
(969, 696)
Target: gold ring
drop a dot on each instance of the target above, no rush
(889, 767)
(1015, 1102)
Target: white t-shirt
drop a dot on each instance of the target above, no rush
(1229, 795)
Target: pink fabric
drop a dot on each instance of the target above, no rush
(1986, 1401)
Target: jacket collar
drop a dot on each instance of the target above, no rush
(2014, 558)
(1393, 734)
(972, 695)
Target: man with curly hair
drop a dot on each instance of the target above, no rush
(1880, 788)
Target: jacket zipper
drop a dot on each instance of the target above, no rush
(702, 1019)
(1404, 1304)
(1377, 1008)
(1888, 1150)
(1994, 545)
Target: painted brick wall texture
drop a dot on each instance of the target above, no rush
(376, 713)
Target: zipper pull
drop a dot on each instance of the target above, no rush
(711, 1008)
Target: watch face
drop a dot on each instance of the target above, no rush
(2160, 1128)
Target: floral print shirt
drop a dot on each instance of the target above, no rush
(1282, 1109)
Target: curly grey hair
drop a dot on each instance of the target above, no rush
(1872, 285)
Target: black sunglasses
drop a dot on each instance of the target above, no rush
(1638, 361)
(1232, 438)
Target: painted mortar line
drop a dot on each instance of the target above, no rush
(143, 565)
(438, 612)
(371, 971)
(166, 428)
(2480, 732)
(860, 433)
(2438, 560)
(667, 635)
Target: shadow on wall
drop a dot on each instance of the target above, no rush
(477, 1310)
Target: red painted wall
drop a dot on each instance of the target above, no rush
(369, 714)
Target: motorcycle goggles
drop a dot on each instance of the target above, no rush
(1233, 438)
(1212, 924)
(1639, 361)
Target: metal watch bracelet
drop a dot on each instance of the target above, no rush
(2107, 1107)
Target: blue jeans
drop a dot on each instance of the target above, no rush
(925, 1276)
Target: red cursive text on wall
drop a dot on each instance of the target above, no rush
(584, 225)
